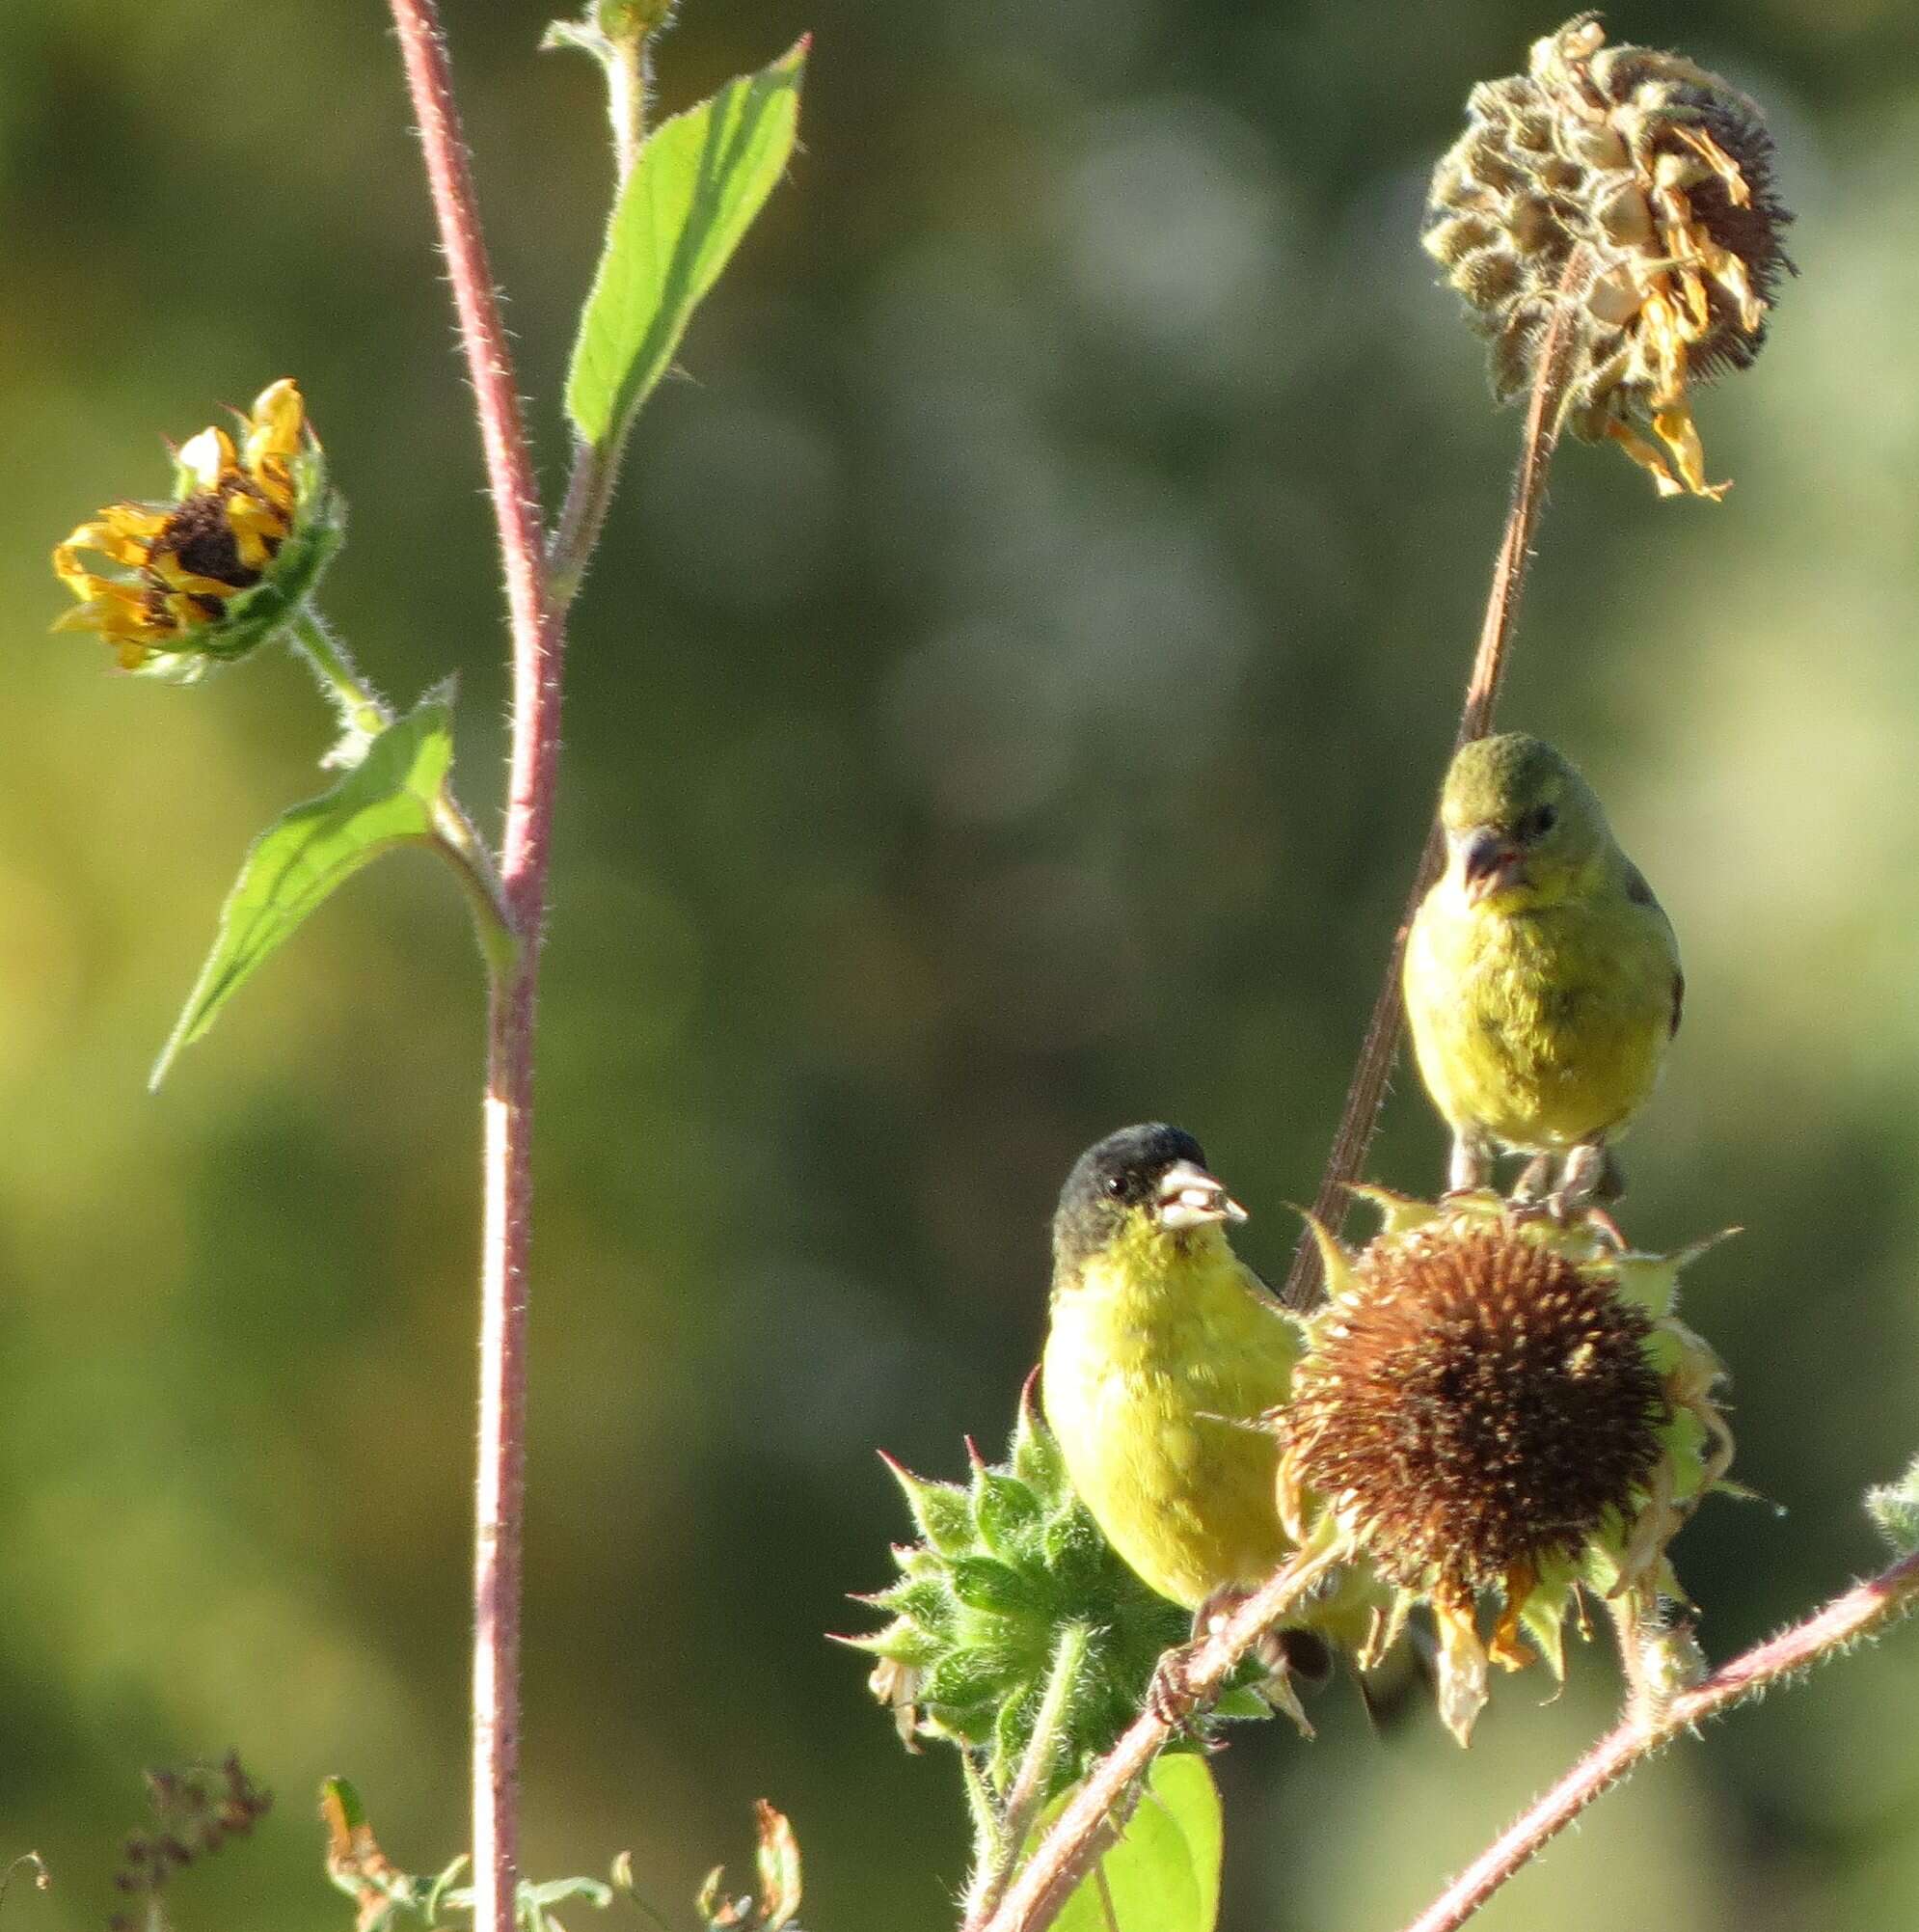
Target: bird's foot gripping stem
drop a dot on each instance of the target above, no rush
(1469, 1165)
(1171, 1696)
(1289, 1658)
(1589, 1178)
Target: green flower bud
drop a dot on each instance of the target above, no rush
(1006, 1565)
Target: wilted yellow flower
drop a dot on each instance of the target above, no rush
(1664, 174)
(216, 570)
(1502, 1409)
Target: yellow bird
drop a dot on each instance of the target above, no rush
(1163, 1345)
(1542, 978)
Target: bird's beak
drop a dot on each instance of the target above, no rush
(1189, 1197)
(1488, 863)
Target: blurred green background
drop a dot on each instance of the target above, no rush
(1007, 706)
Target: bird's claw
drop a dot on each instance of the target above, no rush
(1171, 1696)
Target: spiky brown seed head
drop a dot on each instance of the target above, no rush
(1499, 1407)
(1477, 1408)
(1663, 175)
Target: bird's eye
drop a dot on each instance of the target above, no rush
(1116, 1183)
(1541, 821)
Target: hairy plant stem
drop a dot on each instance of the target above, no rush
(1366, 1094)
(1860, 1612)
(628, 66)
(364, 714)
(1005, 1838)
(537, 635)
(1080, 1832)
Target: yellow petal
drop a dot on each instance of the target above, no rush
(184, 612)
(206, 457)
(103, 538)
(1462, 1669)
(118, 611)
(1729, 272)
(1719, 161)
(1505, 1650)
(259, 529)
(136, 519)
(278, 417)
(170, 570)
(1674, 427)
(99, 594)
(1647, 457)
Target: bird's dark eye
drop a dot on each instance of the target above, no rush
(1539, 822)
(1116, 1183)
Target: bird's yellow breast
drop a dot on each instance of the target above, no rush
(1543, 1026)
(1148, 1372)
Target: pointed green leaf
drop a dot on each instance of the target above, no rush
(699, 182)
(1006, 1512)
(1163, 1875)
(386, 801)
(551, 1891)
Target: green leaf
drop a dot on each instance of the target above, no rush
(1895, 1507)
(540, 1895)
(1163, 1875)
(387, 801)
(699, 182)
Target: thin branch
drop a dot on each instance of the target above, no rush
(1861, 1612)
(509, 468)
(1077, 1837)
(1359, 1118)
(508, 1109)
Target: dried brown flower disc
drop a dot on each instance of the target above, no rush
(1477, 1406)
(1663, 173)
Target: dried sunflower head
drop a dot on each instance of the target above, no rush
(1663, 173)
(1500, 1410)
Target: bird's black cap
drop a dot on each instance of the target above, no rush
(1111, 1178)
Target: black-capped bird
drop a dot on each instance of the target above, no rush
(1163, 1345)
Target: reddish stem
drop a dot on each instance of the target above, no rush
(1364, 1097)
(1844, 1621)
(538, 641)
(1045, 1881)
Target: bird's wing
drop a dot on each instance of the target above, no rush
(1642, 894)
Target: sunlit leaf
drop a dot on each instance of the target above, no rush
(385, 801)
(1163, 1875)
(700, 179)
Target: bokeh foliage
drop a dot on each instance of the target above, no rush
(1006, 705)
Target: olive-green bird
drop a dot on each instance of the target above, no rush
(1542, 977)
(1164, 1344)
